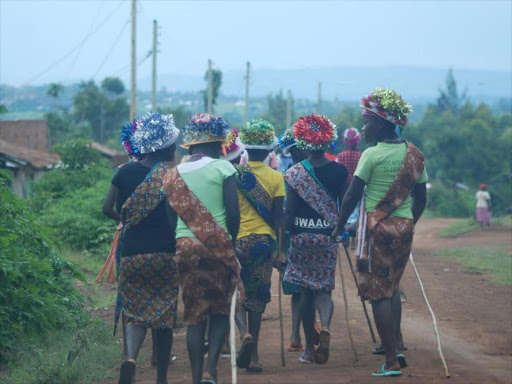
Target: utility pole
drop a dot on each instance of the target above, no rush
(155, 50)
(133, 77)
(319, 102)
(288, 110)
(209, 100)
(247, 77)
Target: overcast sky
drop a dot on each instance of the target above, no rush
(34, 35)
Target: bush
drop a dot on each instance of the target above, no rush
(449, 202)
(36, 285)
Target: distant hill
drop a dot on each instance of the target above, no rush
(349, 83)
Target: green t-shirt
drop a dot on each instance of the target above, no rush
(378, 167)
(205, 178)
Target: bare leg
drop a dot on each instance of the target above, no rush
(241, 321)
(307, 313)
(135, 335)
(396, 307)
(154, 353)
(383, 315)
(195, 345)
(254, 330)
(163, 338)
(325, 306)
(219, 328)
(296, 320)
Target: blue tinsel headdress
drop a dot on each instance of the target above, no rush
(204, 128)
(286, 141)
(154, 132)
(127, 140)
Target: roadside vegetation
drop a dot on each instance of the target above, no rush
(465, 226)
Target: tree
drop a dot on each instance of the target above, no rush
(216, 83)
(3, 109)
(112, 86)
(276, 112)
(179, 114)
(449, 98)
(54, 91)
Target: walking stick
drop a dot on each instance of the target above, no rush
(346, 305)
(434, 321)
(362, 301)
(280, 255)
(232, 336)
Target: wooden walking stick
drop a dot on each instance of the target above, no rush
(280, 255)
(362, 300)
(346, 305)
(232, 337)
(434, 321)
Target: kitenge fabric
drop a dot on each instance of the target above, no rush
(256, 261)
(148, 285)
(289, 288)
(312, 262)
(209, 271)
(388, 240)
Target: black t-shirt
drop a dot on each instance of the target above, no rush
(153, 234)
(332, 176)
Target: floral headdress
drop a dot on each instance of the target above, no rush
(127, 140)
(388, 105)
(314, 133)
(153, 132)
(233, 147)
(351, 136)
(258, 134)
(204, 128)
(286, 142)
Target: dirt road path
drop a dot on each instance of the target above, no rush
(474, 318)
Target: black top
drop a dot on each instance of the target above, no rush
(332, 176)
(153, 234)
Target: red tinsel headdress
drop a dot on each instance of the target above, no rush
(314, 133)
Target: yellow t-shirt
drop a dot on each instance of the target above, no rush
(250, 221)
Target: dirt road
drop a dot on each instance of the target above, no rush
(474, 319)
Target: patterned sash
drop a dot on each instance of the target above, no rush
(254, 192)
(302, 178)
(200, 221)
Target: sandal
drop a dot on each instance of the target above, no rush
(303, 359)
(292, 348)
(322, 352)
(244, 356)
(127, 374)
(254, 368)
(384, 373)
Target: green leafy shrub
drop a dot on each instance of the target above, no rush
(450, 203)
(36, 284)
(77, 154)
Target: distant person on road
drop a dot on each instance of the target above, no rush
(483, 207)
(391, 171)
(202, 192)
(315, 187)
(350, 156)
(148, 281)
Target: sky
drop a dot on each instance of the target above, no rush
(92, 38)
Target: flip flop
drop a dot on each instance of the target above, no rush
(291, 348)
(244, 356)
(254, 368)
(303, 359)
(401, 359)
(385, 373)
(322, 352)
(316, 334)
(127, 373)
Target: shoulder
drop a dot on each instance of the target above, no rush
(224, 167)
(338, 169)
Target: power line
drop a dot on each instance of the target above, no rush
(77, 47)
(116, 41)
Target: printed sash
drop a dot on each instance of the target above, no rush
(254, 192)
(302, 178)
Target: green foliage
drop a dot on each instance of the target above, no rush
(3, 109)
(495, 261)
(36, 284)
(179, 113)
(449, 98)
(77, 154)
(78, 354)
(216, 83)
(450, 202)
(112, 85)
(276, 113)
(459, 228)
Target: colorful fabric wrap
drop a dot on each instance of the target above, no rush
(204, 128)
(153, 132)
(388, 105)
(314, 133)
(258, 134)
(351, 136)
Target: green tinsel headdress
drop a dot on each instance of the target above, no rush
(388, 105)
(258, 134)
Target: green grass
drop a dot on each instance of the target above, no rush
(468, 225)
(493, 261)
(79, 355)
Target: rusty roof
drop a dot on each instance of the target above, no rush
(36, 158)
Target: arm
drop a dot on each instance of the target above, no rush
(232, 209)
(108, 205)
(354, 194)
(277, 213)
(419, 200)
